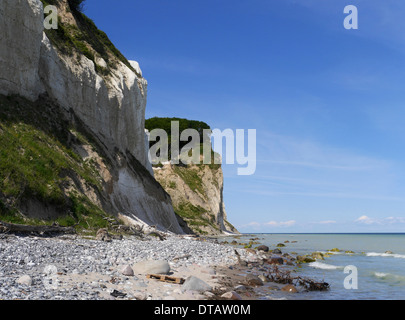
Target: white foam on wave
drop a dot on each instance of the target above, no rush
(335, 252)
(380, 274)
(379, 254)
(325, 266)
(395, 278)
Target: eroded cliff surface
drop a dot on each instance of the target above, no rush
(99, 96)
(197, 196)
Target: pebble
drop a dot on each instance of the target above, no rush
(25, 280)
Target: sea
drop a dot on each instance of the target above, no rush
(374, 271)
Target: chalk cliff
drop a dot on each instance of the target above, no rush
(197, 196)
(196, 186)
(97, 93)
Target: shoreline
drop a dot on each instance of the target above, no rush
(74, 268)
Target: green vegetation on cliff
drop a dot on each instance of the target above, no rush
(36, 163)
(84, 38)
(192, 177)
(166, 125)
(195, 217)
(200, 178)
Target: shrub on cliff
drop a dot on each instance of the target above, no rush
(200, 126)
(165, 124)
(76, 5)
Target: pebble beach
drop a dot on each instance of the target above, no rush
(74, 268)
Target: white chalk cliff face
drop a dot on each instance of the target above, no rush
(111, 108)
(21, 28)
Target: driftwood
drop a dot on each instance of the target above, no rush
(157, 234)
(284, 277)
(277, 275)
(240, 261)
(182, 257)
(26, 229)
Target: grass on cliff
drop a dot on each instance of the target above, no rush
(191, 176)
(196, 217)
(36, 159)
(86, 39)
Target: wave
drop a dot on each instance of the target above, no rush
(379, 254)
(380, 274)
(399, 279)
(335, 252)
(324, 266)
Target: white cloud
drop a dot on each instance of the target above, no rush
(366, 220)
(281, 223)
(276, 224)
(391, 220)
(327, 222)
(381, 221)
(253, 224)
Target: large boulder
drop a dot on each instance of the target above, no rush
(196, 284)
(275, 260)
(127, 271)
(263, 248)
(253, 280)
(305, 259)
(152, 267)
(317, 256)
(289, 288)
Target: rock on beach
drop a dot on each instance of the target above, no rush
(231, 295)
(127, 271)
(152, 266)
(25, 280)
(263, 248)
(193, 283)
(253, 280)
(289, 288)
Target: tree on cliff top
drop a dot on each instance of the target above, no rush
(76, 5)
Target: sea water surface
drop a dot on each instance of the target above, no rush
(381, 275)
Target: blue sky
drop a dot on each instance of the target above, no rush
(327, 103)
